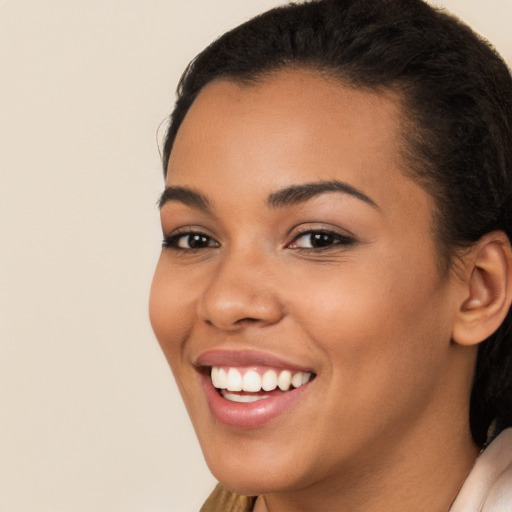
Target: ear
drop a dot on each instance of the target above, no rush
(487, 289)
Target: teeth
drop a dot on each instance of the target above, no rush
(284, 380)
(219, 378)
(269, 380)
(233, 397)
(234, 380)
(297, 380)
(253, 382)
(215, 377)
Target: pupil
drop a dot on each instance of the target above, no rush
(196, 241)
(321, 239)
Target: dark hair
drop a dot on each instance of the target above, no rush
(456, 94)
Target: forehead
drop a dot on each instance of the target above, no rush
(289, 127)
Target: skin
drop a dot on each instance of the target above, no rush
(384, 425)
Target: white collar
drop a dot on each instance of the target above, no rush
(488, 488)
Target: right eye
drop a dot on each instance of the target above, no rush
(189, 241)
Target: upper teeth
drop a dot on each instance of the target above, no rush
(251, 381)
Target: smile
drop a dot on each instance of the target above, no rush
(246, 389)
(239, 385)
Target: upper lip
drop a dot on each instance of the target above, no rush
(219, 357)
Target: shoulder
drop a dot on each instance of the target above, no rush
(222, 500)
(488, 488)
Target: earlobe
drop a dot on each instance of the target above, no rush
(487, 289)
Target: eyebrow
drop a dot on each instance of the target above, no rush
(286, 197)
(297, 194)
(186, 196)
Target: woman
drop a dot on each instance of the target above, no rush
(334, 290)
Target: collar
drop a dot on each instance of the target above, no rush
(488, 488)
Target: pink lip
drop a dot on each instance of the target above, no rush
(246, 358)
(249, 415)
(254, 414)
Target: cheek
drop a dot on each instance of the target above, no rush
(376, 321)
(383, 347)
(170, 310)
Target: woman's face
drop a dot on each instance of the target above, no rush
(295, 247)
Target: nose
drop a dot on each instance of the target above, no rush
(241, 292)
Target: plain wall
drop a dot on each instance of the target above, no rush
(90, 419)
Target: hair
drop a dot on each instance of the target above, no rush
(456, 97)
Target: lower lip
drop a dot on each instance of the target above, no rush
(253, 414)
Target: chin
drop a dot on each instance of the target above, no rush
(253, 466)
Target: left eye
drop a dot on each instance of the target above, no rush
(319, 239)
(184, 241)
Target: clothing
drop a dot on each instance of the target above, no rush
(222, 500)
(488, 487)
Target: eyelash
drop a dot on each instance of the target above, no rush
(335, 240)
(172, 241)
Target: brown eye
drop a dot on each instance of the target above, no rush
(320, 239)
(189, 241)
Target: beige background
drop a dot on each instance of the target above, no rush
(89, 416)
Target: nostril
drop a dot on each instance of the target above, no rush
(247, 320)
(237, 323)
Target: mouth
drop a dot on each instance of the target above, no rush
(246, 385)
(249, 390)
